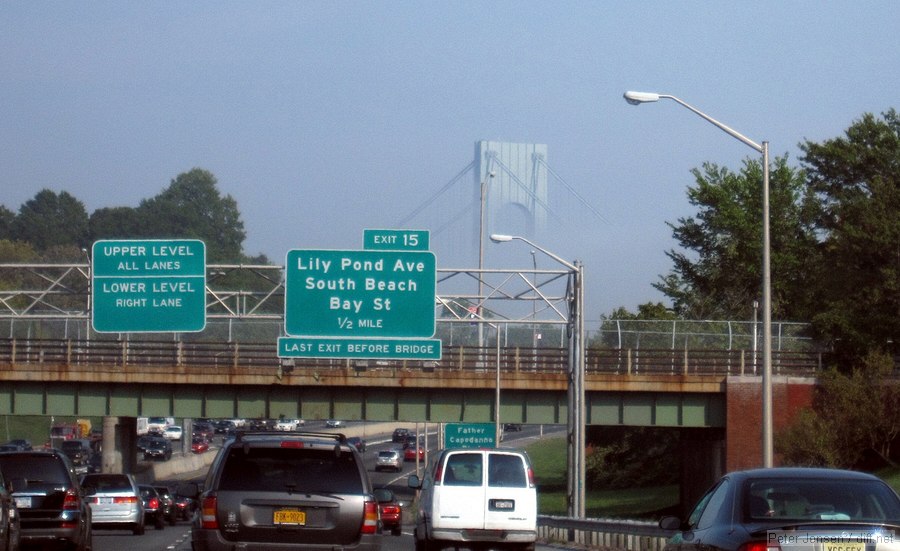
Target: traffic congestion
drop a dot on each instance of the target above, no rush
(107, 511)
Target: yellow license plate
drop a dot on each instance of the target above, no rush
(844, 546)
(292, 516)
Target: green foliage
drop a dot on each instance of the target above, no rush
(548, 456)
(6, 220)
(719, 272)
(191, 207)
(854, 416)
(856, 179)
(51, 219)
(631, 457)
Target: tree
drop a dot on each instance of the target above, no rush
(718, 274)
(853, 415)
(51, 219)
(114, 223)
(191, 207)
(856, 179)
(6, 220)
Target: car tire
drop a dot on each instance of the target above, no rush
(396, 531)
(138, 529)
(159, 524)
(173, 520)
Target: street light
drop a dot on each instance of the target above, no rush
(575, 471)
(637, 98)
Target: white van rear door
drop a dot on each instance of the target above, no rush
(458, 502)
(510, 498)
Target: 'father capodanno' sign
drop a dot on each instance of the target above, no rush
(359, 293)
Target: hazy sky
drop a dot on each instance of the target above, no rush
(326, 118)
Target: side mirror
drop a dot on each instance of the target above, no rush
(414, 482)
(670, 523)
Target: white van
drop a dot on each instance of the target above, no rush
(477, 496)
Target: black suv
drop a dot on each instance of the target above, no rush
(9, 519)
(298, 490)
(158, 448)
(50, 502)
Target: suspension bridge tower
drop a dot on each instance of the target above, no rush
(511, 185)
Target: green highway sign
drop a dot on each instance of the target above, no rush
(470, 435)
(148, 286)
(383, 294)
(370, 349)
(396, 240)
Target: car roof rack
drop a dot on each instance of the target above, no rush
(241, 434)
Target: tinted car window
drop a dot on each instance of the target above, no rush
(278, 469)
(826, 499)
(35, 468)
(714, 505)
(463, 469)
(108, 483)
(506, 471)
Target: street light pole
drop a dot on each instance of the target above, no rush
(636, 98)
(576, 410)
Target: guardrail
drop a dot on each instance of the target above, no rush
(630, 535)
(70, 352)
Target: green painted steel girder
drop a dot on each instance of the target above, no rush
(644, 408)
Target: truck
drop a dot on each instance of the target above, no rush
(69, 430)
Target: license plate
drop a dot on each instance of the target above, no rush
(506, 505)
(844, 546)
(289, 516)
(104, 500)
(23, 502)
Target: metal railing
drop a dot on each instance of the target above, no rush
(149, 353)
(630, 535)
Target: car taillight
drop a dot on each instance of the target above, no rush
(208, 513)
(530, 472)
(154, 503)
(438, 471)
(759, 546)
(392, 509)
(370, 518)
(70, 502)
(125, 499)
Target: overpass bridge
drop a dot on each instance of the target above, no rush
(700, 389)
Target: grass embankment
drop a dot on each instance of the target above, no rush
(549, 458)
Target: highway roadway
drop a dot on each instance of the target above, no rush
(178, 538)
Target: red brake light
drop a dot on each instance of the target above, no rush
(438, 471)
(759, 546)
(125, 499)
(291, 444)
(208, 513)
(70, 502)
(370, 518)
(154, 503)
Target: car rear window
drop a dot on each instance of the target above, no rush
(821, 499)
(108, 483)
(34, 468)
(387, 454)
(290, 469)
(506, 471)
(463, 469)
